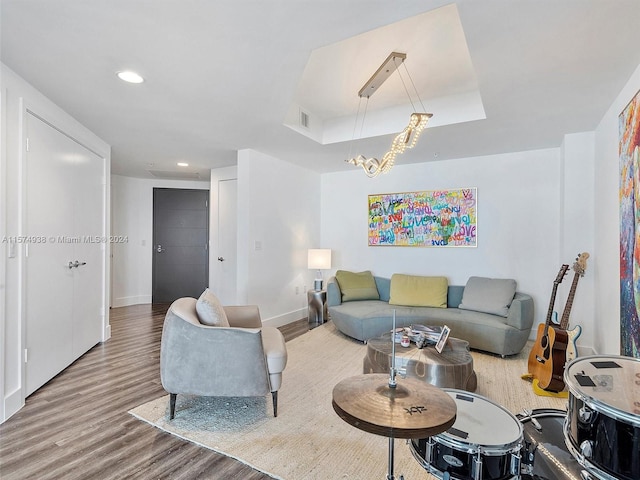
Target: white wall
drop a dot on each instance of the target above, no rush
(577, 205)
(606, 263)
(518, 221)
(17, 95)
(279, 206)
(132, 215)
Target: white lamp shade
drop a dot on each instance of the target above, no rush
(319, 258)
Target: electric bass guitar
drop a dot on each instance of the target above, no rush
(541, 362)
(579, 267)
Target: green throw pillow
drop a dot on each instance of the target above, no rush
(357, 286)
(417, 291)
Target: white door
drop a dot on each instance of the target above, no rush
(63, 224)
(49, 281)
(226, 275)
(90, 251)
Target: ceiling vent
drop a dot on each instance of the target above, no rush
(175, 175)
(304, 119)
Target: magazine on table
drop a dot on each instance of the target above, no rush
(432, 333)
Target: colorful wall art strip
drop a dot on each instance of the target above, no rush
(438, 218)
(629, 152)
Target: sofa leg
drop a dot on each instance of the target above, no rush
(274, 396)
(172, 405)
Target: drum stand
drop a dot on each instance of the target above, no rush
(392, 384)
(390, 475)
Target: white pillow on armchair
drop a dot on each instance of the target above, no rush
(210, 311)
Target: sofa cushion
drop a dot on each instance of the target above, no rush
(488, 295)
(418, 291)
(357, 286)
(210, 311)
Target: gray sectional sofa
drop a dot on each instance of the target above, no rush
(365, 319)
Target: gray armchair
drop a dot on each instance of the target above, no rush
(245, 359)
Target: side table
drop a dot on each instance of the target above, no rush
(317, 306)
(453, 368)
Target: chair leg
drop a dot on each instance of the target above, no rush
(274, 396)
(172, 405)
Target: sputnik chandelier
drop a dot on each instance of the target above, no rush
(405, 139)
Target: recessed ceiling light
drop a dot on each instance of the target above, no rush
(183, 164)
(129, 76)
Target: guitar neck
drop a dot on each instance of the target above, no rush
(552, 301)
(564, 321)
(550, 312)
(578, 267)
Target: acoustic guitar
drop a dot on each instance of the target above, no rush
(579, 267)
(541, 360)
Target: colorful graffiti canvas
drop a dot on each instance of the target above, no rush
(439, 218)
(629, 152)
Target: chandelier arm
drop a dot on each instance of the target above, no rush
(355, 126)
(406, 90)
(414, 87)
(366, 105)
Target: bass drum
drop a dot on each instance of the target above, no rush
(484, 443)
(544, 454)
(602, 428)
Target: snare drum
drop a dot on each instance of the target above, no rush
(544, 454)
(602, 428)
(484, 443)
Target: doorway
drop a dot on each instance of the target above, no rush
(180, 243)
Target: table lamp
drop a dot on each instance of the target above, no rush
(319, 259)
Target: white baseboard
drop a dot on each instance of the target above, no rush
(585, 351)
(107, 333)
(12, 403)
(133, 300)
(285, 319)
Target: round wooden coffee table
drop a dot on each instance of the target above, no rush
(453, 368)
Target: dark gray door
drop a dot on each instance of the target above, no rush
(180, 238)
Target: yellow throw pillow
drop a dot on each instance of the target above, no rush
(416, 291)
(357, 286)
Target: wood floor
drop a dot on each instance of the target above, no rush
(77, 425)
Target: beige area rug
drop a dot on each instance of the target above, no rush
(308, 440)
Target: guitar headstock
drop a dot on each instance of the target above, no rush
(580, 265)
(561, 274)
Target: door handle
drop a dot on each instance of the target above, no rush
(220, 259)
(159, 249)
(75, 264)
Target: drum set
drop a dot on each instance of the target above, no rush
(455, 434)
